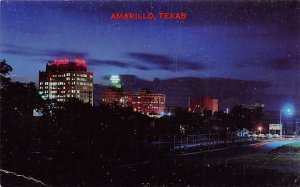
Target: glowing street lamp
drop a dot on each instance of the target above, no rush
(259, 128)
(287, 110)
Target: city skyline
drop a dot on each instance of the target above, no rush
(255, 42)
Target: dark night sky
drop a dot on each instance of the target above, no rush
(254, 41)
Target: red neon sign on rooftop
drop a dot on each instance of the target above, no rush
(65, 61)
(61, 61)
(79, 61)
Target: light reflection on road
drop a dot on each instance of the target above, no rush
(273, 144)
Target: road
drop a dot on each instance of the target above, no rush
(207, 168)
(237, 152)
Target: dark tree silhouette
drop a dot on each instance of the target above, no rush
(5, 69)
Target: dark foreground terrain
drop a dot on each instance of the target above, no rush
(240, 166)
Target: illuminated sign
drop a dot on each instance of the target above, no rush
(275, 127)
(115, 78)
(60, 61)
(65, 61)
(79, 61)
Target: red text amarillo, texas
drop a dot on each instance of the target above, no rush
(149, 16)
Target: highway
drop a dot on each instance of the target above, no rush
(237, 152)
(210, 168)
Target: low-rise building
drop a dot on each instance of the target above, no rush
(203, 103)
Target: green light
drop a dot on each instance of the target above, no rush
(115, 78)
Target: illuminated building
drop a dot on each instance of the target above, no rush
(111, 96)
(65, 79)
(144, 101)
(203, 103)
(114, 93)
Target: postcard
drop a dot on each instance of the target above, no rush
(150, 93)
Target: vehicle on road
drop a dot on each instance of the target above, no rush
(268, 136)
(252, 135)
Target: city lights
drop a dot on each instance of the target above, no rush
(60, 61)
(64, 79)
(115, 79)
(287, 110)
(260, 129)
(79, 61)
(150, 93)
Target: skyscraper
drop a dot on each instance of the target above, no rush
(65, 79)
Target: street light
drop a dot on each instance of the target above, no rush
(259, 128)
(288, 110)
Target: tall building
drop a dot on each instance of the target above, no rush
(144, 101)
(65, 79)
(203, 103)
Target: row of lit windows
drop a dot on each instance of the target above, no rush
(59, 97)
(73, 74)
(53, 88)
(146, 102)
(54, 84)
(69, 91)
(153, 107)
(81, 79)
(63, 75)
(77, 74)
(83, 75)
(85, 84)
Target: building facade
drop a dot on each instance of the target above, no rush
(144, 101)
(203, 103)
(112, 96)
(65, 79)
